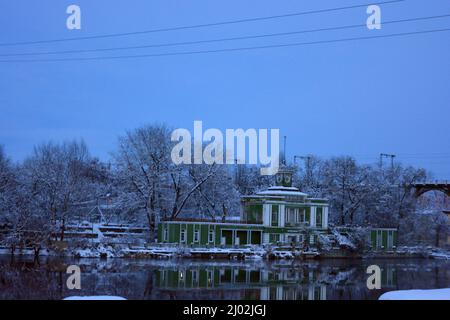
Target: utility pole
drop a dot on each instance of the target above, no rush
(237, 173)
(386, 155)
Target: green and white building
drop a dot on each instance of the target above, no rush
(279, 215)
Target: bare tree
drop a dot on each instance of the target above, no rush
(218, 196)
(59, 177)
(150, 182)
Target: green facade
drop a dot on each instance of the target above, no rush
(253, 213)
(203, 234)
(383, 239)
(211, 234)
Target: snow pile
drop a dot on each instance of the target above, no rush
(440, 255)
(278, 254)
(254, 257)
(158, 252)
(412, 250)
(432, 294)
(325, 242)
(437, 253)
(95, 252)
(425, 252)
(343, 241)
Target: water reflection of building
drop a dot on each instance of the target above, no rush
(311, 292)
(388, 277)
(283, 284)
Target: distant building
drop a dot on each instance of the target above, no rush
(280, 214)
(383, 238)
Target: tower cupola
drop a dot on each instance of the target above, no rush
(284, 177)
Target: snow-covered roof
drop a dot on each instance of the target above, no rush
(282, 191)
(318, 199)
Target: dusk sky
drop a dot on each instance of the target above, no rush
(358, 98)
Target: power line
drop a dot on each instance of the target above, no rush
(217, 40)
(230, 49)
(199, 25)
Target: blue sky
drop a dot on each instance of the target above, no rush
(358, 98)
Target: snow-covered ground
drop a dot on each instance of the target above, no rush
(432, 294)
(342, 240)
(96, 252)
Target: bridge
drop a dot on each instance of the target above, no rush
(421, 188)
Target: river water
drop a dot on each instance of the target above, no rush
(23, 278)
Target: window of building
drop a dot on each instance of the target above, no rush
(253, 213)
(274, 221)
(319, 213)
(210, 277)
(390, 243)
(196, 235)
(291, 239)
(181, 278)
(301, 238)
(211, 236)
(165, 234)
(163, 277)
(274, 238)
(290, 216)
(379, 239)
(183, 235)
(195, 278)
(300, 215)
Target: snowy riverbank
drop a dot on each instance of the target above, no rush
(247, 253)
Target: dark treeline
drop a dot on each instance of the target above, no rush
(46, 192)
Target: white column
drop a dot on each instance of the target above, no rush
(323, 292)
(265, 238)
(279, 293)
(267, 214)
(312, 218)
(325, 217)
(264, 293)
(310, 292)
(281, 215)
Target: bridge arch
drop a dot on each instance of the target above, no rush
(421, 188)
